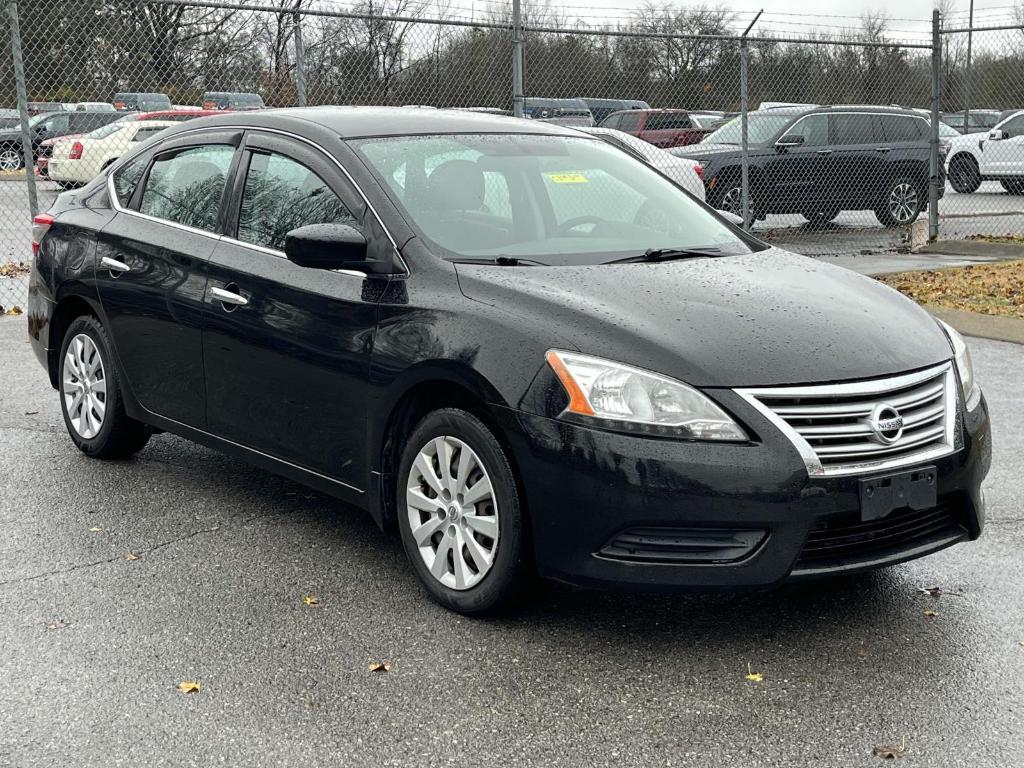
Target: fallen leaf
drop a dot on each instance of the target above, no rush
(891, 753)
(95, 529)
(930, 613)
(311, 600)
(190, 686)
(15, 310)
(58, 624)
(132, 556)
(753, 677)
(380, 666)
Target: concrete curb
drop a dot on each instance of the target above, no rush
(994, 327)
(976, 249)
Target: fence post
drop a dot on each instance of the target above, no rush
(744, 145)
(300, 61)
(517, 59)
(933, 171)
(22, 94)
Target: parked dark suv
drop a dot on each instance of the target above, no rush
(48, 125)
(818, 162)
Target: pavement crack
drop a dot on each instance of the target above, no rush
(230, 523)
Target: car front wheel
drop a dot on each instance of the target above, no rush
(901, 204)
(91, 398)
(964, 175)
(459, 514)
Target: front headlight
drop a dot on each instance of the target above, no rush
(964, 366)
(619, 396)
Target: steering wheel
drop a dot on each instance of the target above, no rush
(570, 224)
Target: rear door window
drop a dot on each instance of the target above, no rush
(186, 186)
(853, 129)
(903, 128)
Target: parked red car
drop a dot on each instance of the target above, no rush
(660, 127)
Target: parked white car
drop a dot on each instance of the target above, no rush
(79, 159)
(684, 172)
(996, 155)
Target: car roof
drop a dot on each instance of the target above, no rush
(358, 122)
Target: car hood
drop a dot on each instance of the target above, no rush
(968, 139)
(766, 318)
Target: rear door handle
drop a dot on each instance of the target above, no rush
(114, 265)
(228, 297)
(824, 151)
(883, 149)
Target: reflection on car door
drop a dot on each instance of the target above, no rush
(859, 160)
(151, 269)
(1005, 157)
(797, 178)
(287, 366)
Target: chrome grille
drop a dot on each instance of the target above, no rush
(837, 427)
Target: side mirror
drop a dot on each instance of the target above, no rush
(330, 246)
(997, 135)
(790, 140)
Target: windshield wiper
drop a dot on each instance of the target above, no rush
(670, 254)
(504, 261)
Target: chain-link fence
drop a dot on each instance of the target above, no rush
(822, 143)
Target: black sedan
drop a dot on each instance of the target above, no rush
(522, 348)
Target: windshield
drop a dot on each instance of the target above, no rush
(761, 128)
(34, 121)
(106, 130)
(553, 199)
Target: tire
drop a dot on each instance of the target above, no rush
(99, 427)
(902, 202)
(1013, 186)
(964, 175)
(728, 197)
(11, 158)
(821, 216)
(492, 565)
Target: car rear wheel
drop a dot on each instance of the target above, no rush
(820, 216)
(459, 514)
(1013, 186)
(728, 197)
(964, 175)
(91, 398)
(902, 202)
(11, 159)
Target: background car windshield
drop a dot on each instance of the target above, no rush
(106, 130)
(553, 199)
(761, 128)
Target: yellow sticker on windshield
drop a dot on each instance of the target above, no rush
(567, 178)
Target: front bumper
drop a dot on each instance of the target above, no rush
(588, 491)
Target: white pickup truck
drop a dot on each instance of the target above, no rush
(996, 155)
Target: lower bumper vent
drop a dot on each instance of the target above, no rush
(683, 545)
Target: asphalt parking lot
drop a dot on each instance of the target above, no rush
(94, 643)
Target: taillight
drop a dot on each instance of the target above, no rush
(76, 151)
(40, 226)
(699, 170)
(944, 147)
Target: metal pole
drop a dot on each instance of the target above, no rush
(28, 155)
(744, 146)
(967, 82)
(744, 139)
(933, 173)
(300, 61)
(517, 60)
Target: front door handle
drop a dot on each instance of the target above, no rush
(114, 265)
(824, 151)
(883, 149)
(228, 297)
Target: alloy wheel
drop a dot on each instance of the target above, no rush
(732, 201)
(10, 160)
(904, 202)
(453, 512)
(85, 386)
